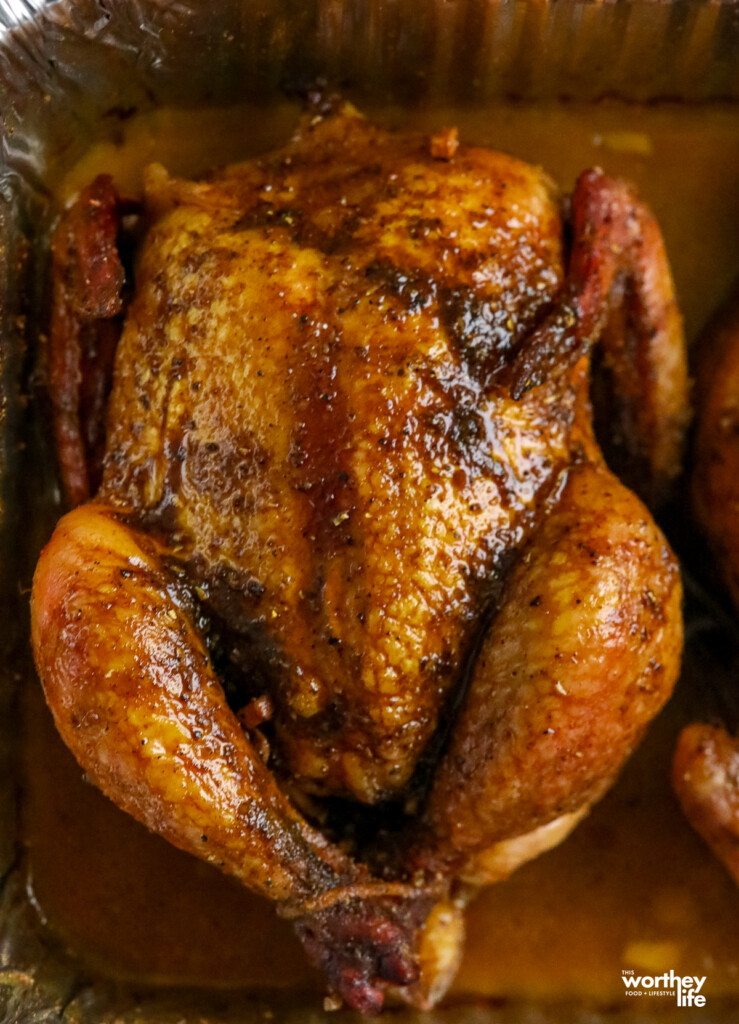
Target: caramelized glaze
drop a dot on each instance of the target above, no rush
(583, 981)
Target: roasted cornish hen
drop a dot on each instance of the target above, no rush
(348, 552)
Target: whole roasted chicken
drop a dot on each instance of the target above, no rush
(351, 605)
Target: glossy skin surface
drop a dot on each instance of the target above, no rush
(350, 470)
(706, 764)
(592, 573)
(344, 497)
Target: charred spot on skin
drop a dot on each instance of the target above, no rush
(484, 334)
(423, 227)
(461, 427)
(266, 214)
(650, 601)
(467, 432)
(415, 289)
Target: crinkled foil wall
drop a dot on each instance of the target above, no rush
(64, 67)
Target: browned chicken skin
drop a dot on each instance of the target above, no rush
(350, 476)
(706, 764)
(715, 482)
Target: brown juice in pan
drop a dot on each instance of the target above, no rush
(633, 887)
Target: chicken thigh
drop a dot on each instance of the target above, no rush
(351, 605)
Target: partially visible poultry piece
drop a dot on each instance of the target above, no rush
(706, 764)
(705, 776)
(350, 469)
(715, 479)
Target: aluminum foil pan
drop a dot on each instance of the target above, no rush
(70, 73)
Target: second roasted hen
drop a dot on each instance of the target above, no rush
(350, 489)
(706, 762)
